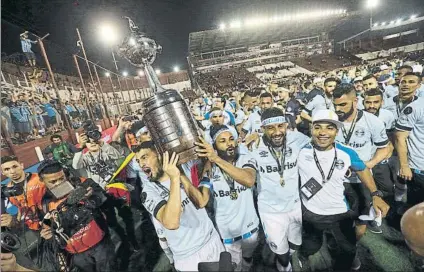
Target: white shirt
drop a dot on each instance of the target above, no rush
(274, 198)
(234, 217)
(319, 102)
(412, 120)
(195, 228)
(330, 199)
(253, 123)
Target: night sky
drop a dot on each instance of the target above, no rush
(168, 21)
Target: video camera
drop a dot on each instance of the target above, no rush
(7, 192)
(9, 241)
(92, 131)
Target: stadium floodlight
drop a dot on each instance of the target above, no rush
(131, 41)
(344, 11)
(108, 34)
(235, 24)
(392, 22)
(176, 69)
(222, 26)
(398, 21)
(107, 74)
(413, 17)
(141, 73)
(125, 73)
(376, 24)
(383, 23)
(372, 3)
(157, 71)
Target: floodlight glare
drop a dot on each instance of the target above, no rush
(141, 73)
(392, 22)
(383, 23)
(125, 73)
(222, 26)
(176, 69)
(413, 17)
(131, 41)
(107, 74)
(235, 24)
(372, 3)
(157, 71)
(376, 24)
(398, 21)
(108, 34)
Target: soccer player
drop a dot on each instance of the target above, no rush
(323, 168)
(230, 178)
(188, 230)
(253, 123)
(278, 200)
(366, 134)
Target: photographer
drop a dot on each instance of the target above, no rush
(24, 190)
(72, 215)
(62, 152)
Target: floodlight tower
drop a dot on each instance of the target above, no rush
(372, 4)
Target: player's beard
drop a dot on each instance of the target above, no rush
(277, 141)
(230, 154)
(343, 116)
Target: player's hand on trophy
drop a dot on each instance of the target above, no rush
(205, 150)
(169, 165)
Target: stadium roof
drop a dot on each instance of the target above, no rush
(218, 39)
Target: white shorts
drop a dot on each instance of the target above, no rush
(208, 253)
(282, 229)
(242, 248)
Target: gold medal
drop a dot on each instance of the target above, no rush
(282, 182)
(233, 195)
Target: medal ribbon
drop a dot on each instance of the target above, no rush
(348, 135)
(280, 160)
(333, 165)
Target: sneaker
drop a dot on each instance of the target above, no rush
(356, 263)
(374, 228)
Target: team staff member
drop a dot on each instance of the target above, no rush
(189, 231)
(323, 167)
(322, 101)
(31, 191)
(75, 220)
(410, 148)
(384, 177)
(253, 123)
(230, 179)
(366, 134)
(278, 200)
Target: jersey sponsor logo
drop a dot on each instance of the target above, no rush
(407, 110)
(357, 145)
(340, 164)
(263, 154)
(271, 169)
(250, 224)
(185, 202)
(360, 132)
(225, 193)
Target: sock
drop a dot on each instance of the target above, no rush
(282, 268)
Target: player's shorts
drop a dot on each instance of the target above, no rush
(210, 252)
(242, 248)
(283, 230)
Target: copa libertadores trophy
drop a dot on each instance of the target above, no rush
(166, 115)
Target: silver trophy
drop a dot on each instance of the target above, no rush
(166, 114)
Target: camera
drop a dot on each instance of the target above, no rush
(92, 131)
(11, 191)
(129, 118)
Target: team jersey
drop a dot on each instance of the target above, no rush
(195, 228)
(368, 131)
(319, 102)
(240, 117)
(387, 118)
(360, 105)
(412, 120)
(420, 91)
(398, 106)
(234, 217)
(253, 123)
(273, 197)
(330, 198)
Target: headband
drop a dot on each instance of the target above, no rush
(220, 132)
(274, 120)
(141, 131)
(215, 113)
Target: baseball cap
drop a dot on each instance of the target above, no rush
(326, 116)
